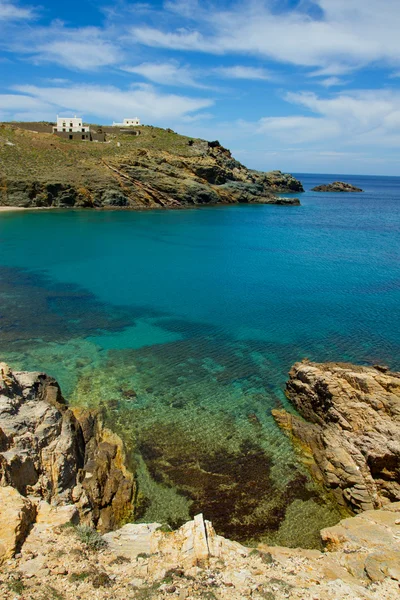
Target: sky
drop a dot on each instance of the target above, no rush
(297, 85)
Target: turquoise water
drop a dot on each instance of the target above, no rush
(183, 326)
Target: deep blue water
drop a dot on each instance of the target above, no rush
(184, 325)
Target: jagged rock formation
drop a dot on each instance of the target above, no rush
(336, 186)
(47, 453)
(351, 435)
(154, 170)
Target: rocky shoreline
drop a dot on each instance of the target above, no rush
(158, 169)
(350, 429)
(63, 474)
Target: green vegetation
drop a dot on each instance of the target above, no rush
(51, 593)
(77, 577)
(164, 528)
(90, 537)
(16, 585)
(46, 157)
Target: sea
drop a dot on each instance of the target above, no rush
(181, 326)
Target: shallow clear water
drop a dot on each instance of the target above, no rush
(183, 326)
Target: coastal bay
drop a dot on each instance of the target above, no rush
(184, 324)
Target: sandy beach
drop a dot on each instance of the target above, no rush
(13, 208)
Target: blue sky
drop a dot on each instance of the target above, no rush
(296, 85)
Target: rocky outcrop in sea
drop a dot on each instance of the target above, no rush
(336, 186)
(351, 430)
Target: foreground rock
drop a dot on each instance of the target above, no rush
(61, 471)
(351, 436)
(157, 169)
(336, 186)
(48, 453)
(16, 517)
(141, 562)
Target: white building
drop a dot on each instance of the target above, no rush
(128, 123)
(71, 125)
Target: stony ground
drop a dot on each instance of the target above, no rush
(61, 561)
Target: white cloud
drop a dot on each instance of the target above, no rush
(299, 129)
(85, 48)
(19, 107)
(11, 12)
(82, 49)
(182, 39)
(348, 34)
(81, 55)
(243, 72)
(331, 82)
(107, 103)
(166, 73)
(358, 118)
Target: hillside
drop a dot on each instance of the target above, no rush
(155, 169)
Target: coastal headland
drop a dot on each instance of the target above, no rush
(156, 169)
(64, 482)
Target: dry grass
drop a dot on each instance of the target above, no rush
(27, 155)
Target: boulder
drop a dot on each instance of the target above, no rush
(16, 517)
(49, 453)
(350, 436)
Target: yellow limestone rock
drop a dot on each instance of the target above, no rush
(16, 516)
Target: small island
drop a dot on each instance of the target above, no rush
(336, 186)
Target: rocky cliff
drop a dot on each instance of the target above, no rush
(48, 453)
(156, 169)
(351, 433)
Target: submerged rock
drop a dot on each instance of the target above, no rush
(336, 186)
(351, 436)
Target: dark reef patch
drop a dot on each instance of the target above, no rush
(234, 489)
(36, 309)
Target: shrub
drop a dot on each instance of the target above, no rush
(90, 537)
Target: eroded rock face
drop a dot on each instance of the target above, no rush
(352, 430)
(42, 446)
(337, 186)
(16, 517)
(141, 177)
(48, 453)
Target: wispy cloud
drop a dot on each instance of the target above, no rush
(244, 72)
(331, 82)
(12, 12)
(106, 103)
(346, 34)
(84, 49)
(166, 73)
(357, 118)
